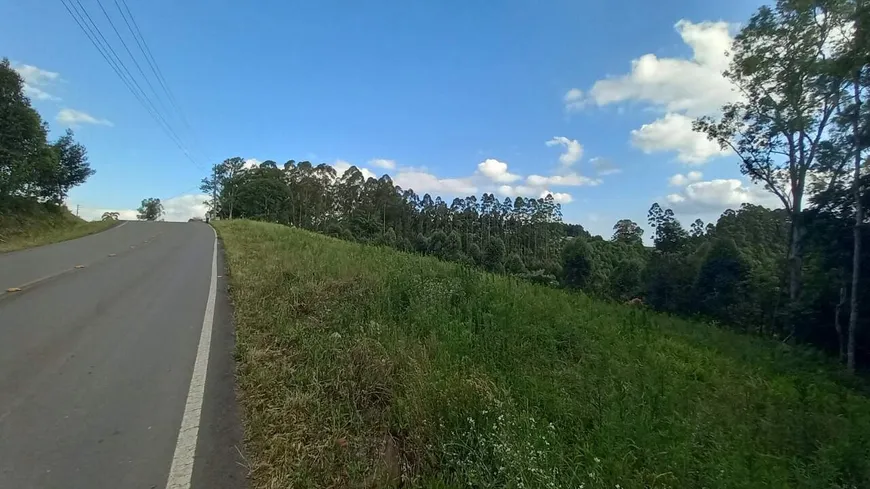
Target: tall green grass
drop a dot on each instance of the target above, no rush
(366, 367)
(34, 224)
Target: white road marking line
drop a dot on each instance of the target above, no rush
(181, 471)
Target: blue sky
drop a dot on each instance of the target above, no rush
(456, 95)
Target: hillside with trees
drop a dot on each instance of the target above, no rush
(35, 174)
(801, 130)
(362, 366)
(733, 271)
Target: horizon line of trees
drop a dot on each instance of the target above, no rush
(510, 234)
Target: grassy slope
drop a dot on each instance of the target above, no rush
(39, 226)
(360, 363)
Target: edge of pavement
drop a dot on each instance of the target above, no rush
(220, 461)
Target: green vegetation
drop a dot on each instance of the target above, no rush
(150, 210)
(32, 168)
(801, 131)
(733, 271)
(361, 365)
(42, 224)
(35, 174)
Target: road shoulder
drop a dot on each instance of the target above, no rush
(220, 461)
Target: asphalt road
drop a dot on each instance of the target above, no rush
(106, 351)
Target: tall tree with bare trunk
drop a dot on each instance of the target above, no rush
(780, 65)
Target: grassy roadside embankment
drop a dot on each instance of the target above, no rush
(38, 225)
(359, 365)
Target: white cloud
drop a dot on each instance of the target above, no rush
(559, 197)
(604, 167)
(36, 76)
(342, 166)
(490, 175)
(691, 86)
(251, 163)
(682, 88)
(496, 171)
(35, 79)
(423, 182)
(573, 149)
(536, 192)
(680, 180)
(184, 207)
(720, 194)
(574, 99)
(675, 198)
(674, 133)
(710, 42)
(95, 214)
(514, 190)
(71, 117)
(569, 180)
(537, 180)
(180, 208)
(37, 93)
(382, 163)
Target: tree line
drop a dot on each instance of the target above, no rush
(33, 170)
(513, 235)
(801, 128)
(733, 271)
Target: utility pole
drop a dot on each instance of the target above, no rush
(77, 209)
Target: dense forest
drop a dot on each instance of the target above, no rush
(33, 170)
(801, 129)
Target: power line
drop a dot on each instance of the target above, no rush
(132, 84)
(93, 33)
(84, 20)
(133, 27)
(149, 57)
(129, 53)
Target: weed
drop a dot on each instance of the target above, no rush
(361, 366)
(39, 225)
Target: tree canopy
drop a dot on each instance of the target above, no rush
(32, 169)
(150, 210)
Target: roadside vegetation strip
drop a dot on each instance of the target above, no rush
(44, 236)
(362, 366)
(39, 224)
